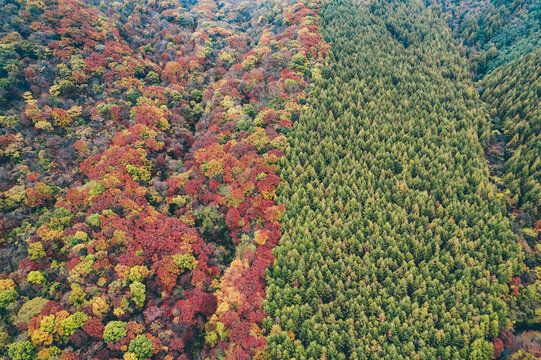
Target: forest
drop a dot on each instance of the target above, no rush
(294, 179)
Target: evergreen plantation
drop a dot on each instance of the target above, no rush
(513, 93)
(496, 32)
(395, 244)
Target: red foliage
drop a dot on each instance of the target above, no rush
(28, 265)
(241, 332)
(498, 347)
(68, 356)
(508, 338)
(33, 177)
(50, 308)
(177, 344)
(515, 282)
(233, 218)
(94, 327)
(38, 196)
(194, 186)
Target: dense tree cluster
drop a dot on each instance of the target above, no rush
(140, 143)
(496, 31)
(503, 39)
(395, 244)
(512, 93)
(226, 179)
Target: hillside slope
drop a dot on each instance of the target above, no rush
(395, 244)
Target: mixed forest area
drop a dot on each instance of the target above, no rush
(294, 179)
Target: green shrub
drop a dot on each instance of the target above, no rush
(141, 346)
(30, 309)
(36, 277)
(22, 350)
(7, 297)
(74, 322)
(114, 331)
(138, 292)
(93, 220)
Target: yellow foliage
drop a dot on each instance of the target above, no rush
(40, 337)
(213, 167)
(201, 53)
(185, 261)
(13, 197)
(261, 236)
(76, 248)
(35, 251)
(227, 102)
(118, 311)
(36, 277)
(6, 284)
(122, 271)
(162, 124)
(138, 273)
(99, 306)
(130, 356)
(280, 143)
(34, 5)
(50, 329)
(81, 235)
(83, 268)
(119, 236)
(123, 308)
(259, 138)
(44, 125)
(225, 56)
(48, 353)
(250, 62)
(28, 98)
(75, 111)
(53, 90)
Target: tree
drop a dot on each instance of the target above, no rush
(141, 346)
(22, 350)
(114, 331)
